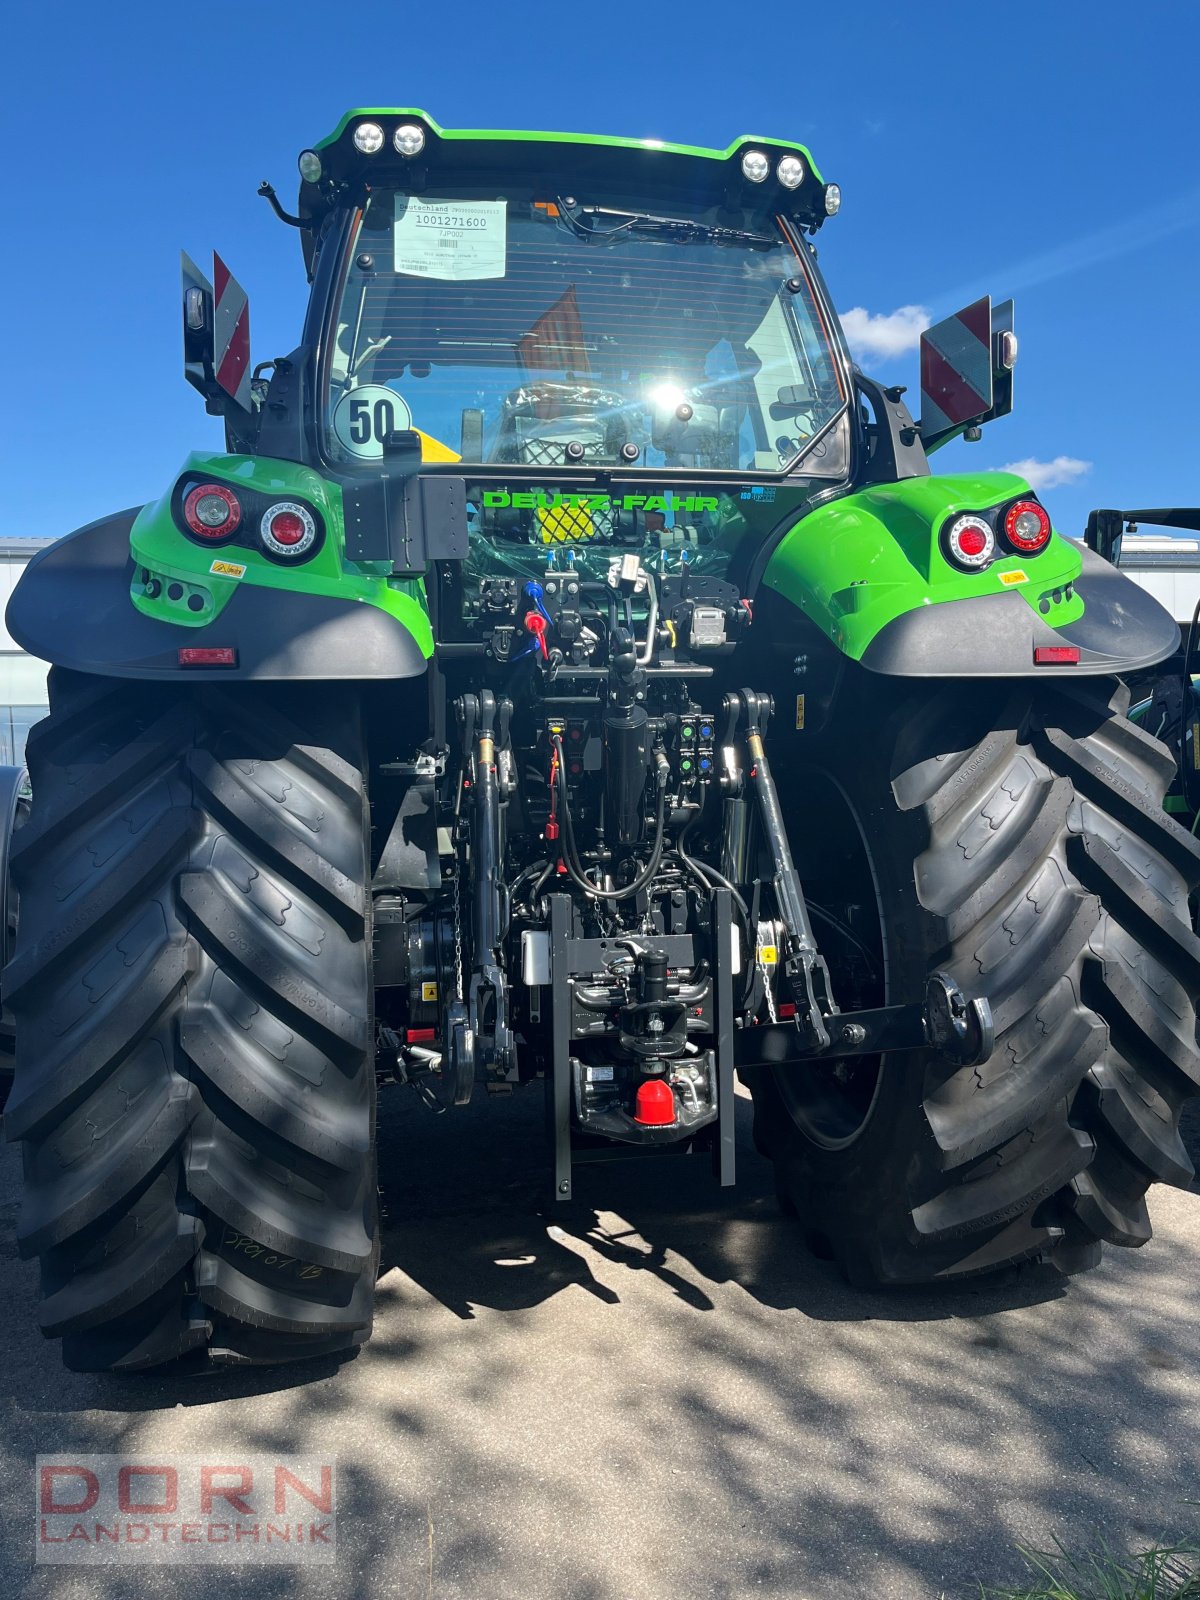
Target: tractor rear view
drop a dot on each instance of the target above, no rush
(572, 671)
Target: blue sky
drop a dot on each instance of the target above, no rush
(1048, 151)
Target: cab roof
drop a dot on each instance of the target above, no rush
(384, 114)
(606, 168)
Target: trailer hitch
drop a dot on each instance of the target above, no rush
(958, 1028)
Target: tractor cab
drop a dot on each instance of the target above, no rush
(615, 345)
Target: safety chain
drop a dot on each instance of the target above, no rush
(770, 993)
(458, 933)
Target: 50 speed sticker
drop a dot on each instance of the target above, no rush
(365, 418)
(227, 569)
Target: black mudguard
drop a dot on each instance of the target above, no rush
(72, 608)
(1122, 630)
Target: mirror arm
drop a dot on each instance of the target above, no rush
(267, 191)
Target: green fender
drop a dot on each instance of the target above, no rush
(126, 595)
(868, 570)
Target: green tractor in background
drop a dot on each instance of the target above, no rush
(571, 670)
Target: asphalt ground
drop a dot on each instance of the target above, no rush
(656, 1394)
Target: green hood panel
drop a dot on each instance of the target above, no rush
(855, 564)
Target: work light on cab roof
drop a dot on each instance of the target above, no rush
(755, 174)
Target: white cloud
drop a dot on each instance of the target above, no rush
(882, 335)
(1049, 474)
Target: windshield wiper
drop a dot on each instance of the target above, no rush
(626, 222)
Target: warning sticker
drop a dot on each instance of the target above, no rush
(1009, 578)
(450, 239)
(227, 569)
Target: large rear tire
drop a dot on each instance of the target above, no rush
(192, 993)
(1014, 837)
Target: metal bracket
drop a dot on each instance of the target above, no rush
(958, 1028)
(408, 519)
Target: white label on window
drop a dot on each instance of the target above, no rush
(451, 239)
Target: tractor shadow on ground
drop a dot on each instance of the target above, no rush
(467, 1217)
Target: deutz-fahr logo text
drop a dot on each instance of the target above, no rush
(536, 500)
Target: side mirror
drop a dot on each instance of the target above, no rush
(967, 364)
(1103, 534)
(216, 336)
(1105, 528)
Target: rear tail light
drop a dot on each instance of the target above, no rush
(212, 512)
(969, 542)
(287, 530)
(1027, 527)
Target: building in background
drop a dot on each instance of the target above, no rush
(1166, 566)
(22, 677)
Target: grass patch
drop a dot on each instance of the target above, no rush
(1164, 1572)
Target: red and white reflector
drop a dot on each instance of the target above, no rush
(654, 1106)
(288, 529)
(1055, 655)
(211, 655)
(212, 511)
(969, 542)
(1027, 527)
(231, 334)
(956, 369)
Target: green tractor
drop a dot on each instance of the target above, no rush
(572, 671)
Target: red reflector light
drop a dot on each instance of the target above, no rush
(969, 542)
(1027, 526)
(212, 511)
(655, 1105)
(215, 655)
(420, 1035)
(786, 1011)
(287, 527)
(1055, 655)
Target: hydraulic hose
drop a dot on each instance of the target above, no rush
(706, 874)
(540, 871)
(646, 655)
(571, 854)
(709, 876)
